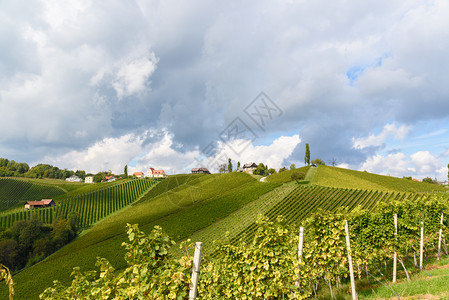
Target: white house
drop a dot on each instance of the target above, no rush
(139, 175)
(89, 179)
(249, 168)
(74, 178)
(152, 173)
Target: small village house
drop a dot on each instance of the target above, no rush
(39, 204)
(200, 171)
(139, 175)
(74, 178)
(152, 173)
(110, 178)
(249, 168)
(89, 179)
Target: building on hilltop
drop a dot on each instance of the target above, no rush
(139, 175)
(39, 204)
(152, 173)
(110, 178)
(249, 168)
(89, 179)
(74, 178)
(200, 171)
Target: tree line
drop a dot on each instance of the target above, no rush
(29, 241)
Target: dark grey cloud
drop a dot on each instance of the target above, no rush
(76, 73)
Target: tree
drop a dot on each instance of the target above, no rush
(126, 171)
(407, 177)
(318, 161)
(298, 176)
(334, 162)
(260, 170)
(222, 168)
(307, 155)
(292, 166)
(282, 169)
(429, 180)
(74, 220)
(238, 165)
(229, 165)
(271, 171)
(62, 233)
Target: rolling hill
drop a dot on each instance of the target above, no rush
(205, 207)
(15, 192)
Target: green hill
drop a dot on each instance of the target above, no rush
(91, 206)
(345, 178)
(286, 176)
(15, 192)
(185, 205)
(205, 207)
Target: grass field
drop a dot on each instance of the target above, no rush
(204, 207)
(286, 176)
(197, 203)
(344, 178)
(15, 192)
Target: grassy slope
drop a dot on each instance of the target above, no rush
(210, 197)
(215, 201)
(344, 178)
(15, 192)
(286, 175)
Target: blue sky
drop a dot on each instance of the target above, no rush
(163, 84)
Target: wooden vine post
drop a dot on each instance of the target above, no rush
(195, 270)
(351, 271)
(439, 237)
(421, 246)
(395, 256)
(300, 247)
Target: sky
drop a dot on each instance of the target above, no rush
(97, 85)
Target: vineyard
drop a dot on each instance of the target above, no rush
(333, 250)
(286, 176)
(91, 207)
(205, 207)
(345, 178)
(14, 192)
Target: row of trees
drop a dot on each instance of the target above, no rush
(11, 168)
(29, 241)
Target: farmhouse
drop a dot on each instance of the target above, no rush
(74, 178)
(249, 168)
(200, 171)
(152, 173)
(110, 178)
(139, 175)
(39, 204)
(89, 179)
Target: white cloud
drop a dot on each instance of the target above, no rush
(272, 155)
(394, 164)
(132, 77)
(419, 165)
(425, 163)
(108, 154)
(393, 130)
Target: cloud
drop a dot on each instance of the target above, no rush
(378, 140)
(425, 162)
(394, 164)
(272, 155)
(419, 165)
(81, 72)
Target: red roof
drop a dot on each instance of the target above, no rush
(41, 202)
(160, 172)
(137, 173)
